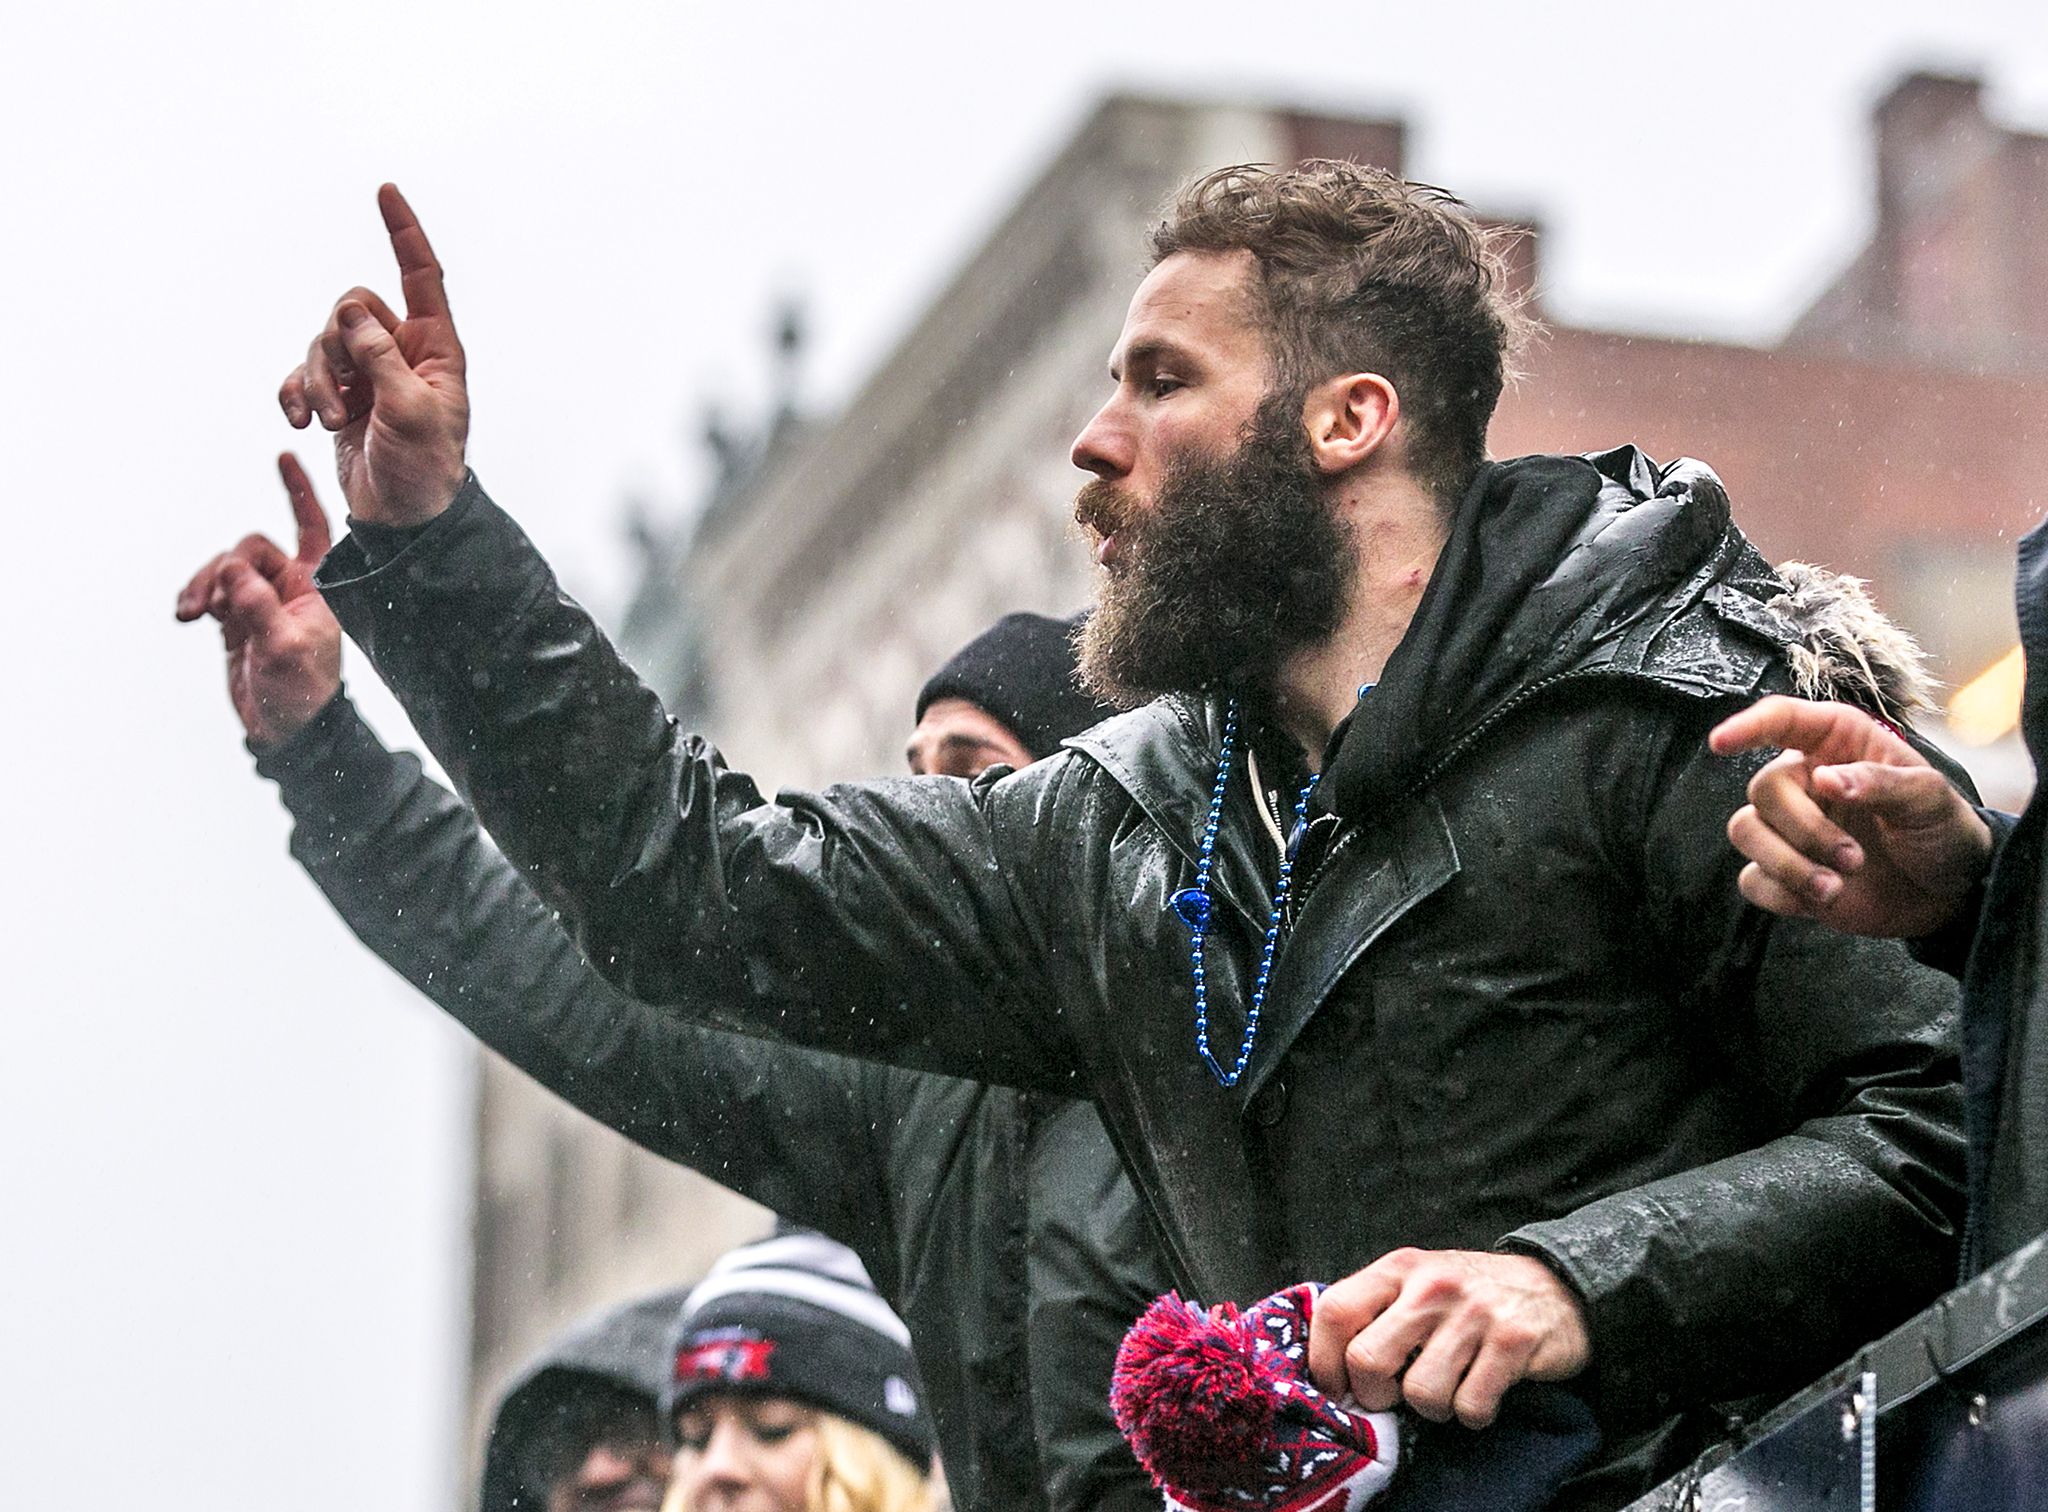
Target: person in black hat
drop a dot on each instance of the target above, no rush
(1007, 697)
(793, 1388)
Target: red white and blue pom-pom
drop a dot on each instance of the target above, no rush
(1219, 1409)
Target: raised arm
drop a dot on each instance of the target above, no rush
(406, 867)
(882, 920)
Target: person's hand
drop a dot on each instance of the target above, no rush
(393, 391)
(283, 642)
(1448, 1331)
(1850, 825)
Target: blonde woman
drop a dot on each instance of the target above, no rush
(793, 1389)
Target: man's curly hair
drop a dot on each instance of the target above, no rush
(1360, 271)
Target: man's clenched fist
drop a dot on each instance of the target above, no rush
(1448, 1331)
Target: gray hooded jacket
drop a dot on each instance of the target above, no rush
(623, 1347)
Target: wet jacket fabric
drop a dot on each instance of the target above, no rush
(2005, 990)
(625, 1348)
(997, 1223)
(1521, 1003)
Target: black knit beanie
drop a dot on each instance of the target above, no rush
(796, 1316)
(1021, 670)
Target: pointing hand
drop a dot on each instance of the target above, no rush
(283, 643)
(1849, 825)
(394, 392)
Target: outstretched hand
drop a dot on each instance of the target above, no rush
(283, 642)
(1849, 824)
(394, 392)
(1447, 1331)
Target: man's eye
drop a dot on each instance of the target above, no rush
(1163, 385)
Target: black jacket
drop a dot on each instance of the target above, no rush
(997, 1223)
(1521, 1004)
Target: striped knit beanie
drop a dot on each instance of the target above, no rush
(796, 1316)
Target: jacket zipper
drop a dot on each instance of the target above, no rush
(1466, 741)
(1458, 748)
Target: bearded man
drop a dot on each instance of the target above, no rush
(1483, 1028)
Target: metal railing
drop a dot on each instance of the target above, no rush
(1946, 1413)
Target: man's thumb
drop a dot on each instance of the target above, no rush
(244, 601)
(1897, 794)
(370, 346)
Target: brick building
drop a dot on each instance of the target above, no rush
(1896, 433)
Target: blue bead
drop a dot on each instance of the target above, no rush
(1196, 900)
(1192, 904)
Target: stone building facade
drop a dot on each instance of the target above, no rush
(1898, 432)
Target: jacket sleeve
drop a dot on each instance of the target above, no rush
(1948, 948)
(875, 919)
(1764, 1268)
(406, 867)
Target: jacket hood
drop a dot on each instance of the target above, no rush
(1843, 646)
(1556, 565)
(626, 1348)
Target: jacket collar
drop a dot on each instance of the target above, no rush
(1164, 756)
(1560, 566)
(1552, 562)
(1548, 559)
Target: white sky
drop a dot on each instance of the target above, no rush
(234, 1152)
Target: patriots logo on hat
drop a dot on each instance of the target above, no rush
(724, 1354)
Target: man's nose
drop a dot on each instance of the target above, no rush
(1104, 446)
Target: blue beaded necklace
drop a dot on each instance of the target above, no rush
(1192, 905)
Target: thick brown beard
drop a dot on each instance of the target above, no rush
(1241, 564)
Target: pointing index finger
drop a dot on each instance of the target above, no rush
(1791, 724)
(419, 272)
(314, 535)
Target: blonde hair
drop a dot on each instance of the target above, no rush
(858, 1470)
(854, 1470)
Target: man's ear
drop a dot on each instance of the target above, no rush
(1348, 419)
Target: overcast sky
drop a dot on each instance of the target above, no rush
(233, 1179)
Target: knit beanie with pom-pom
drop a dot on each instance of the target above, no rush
(1219, 1409)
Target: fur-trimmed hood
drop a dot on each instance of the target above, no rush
(1845, 647)
(1558, 567)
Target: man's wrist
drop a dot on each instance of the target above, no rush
(371, 545)
(1566, 1285)
(312, 741)
(1947, 946)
